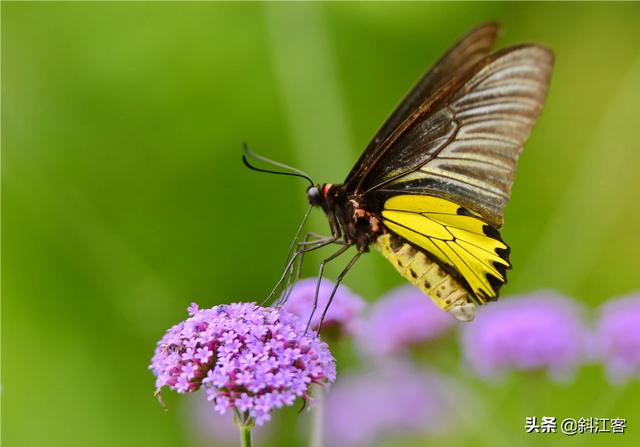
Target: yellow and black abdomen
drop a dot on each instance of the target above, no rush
(431, 278)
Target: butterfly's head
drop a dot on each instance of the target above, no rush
(315, 195)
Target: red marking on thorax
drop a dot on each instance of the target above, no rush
(325, 190)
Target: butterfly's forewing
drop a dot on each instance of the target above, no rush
(455, 63)
(464, 144)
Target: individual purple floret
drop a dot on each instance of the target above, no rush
(385, 403)
(249, 359)
(540, 331)
(344, 311)
(618, 334)
(399, 319)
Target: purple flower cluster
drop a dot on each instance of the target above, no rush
(344, 311)
(618, 333)
(248, 358)
(402, 318)
(542, 330)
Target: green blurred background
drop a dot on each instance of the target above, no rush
(124, 197)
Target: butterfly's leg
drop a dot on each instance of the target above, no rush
(336, 234)
(311, 238)
(335, 287)
(320, 273)
(295, 272)
(290, 264)
(319, 244)
(295, 242)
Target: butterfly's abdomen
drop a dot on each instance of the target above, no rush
(428, 275)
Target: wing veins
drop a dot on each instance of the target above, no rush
(417, 168)
(483, 281)
(478, 247)
(423, 235)
(477, 160)
(430, 212)
(452, 226)
(437, 174)
(491, 267)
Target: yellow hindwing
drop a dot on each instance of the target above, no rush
(453, 235)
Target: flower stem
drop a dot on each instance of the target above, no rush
(244, 424)
(245, 436)
(317, 422)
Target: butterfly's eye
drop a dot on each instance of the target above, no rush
(314, 196)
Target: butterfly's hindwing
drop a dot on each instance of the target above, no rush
(455, 237)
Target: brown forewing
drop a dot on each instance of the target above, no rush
(462, 143)
(457, 62)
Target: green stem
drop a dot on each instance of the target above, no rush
(244, 424)
(245, 436)
(318, 419)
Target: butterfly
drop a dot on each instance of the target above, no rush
(429, 190)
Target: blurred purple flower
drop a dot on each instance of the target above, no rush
(542, 330)
(403, 317)
(618, 334)
(250, 359)
(344, 311)
(384, 403)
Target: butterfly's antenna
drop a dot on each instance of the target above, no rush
(295, 172)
